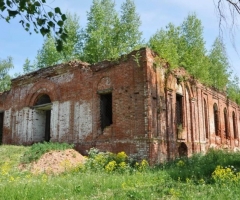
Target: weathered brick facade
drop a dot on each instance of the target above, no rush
(130, 105)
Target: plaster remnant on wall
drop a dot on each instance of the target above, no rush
(83, 119)
(54, 120)
(63, 78)
(7, 118)
(179, 89)
(64, 118)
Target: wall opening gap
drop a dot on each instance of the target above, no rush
(206, 118)
(42, 124)
(215, 112)
(234, 126)
(179, 111)
(226, 122)
(105, 110)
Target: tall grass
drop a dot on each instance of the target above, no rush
(202, 166)
(198, 177)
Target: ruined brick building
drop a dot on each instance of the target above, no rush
(130, 105)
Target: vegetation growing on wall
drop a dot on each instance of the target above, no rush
(184, 46)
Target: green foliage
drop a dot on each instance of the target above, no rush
(37, 14)
(129, 35)
(107, 36)
(225, 175)
(28, 67)
(218, 65)
(233, 89)
(185, 46)
(192, 50)
(48, 55)
(155, 183)
(166, 44)
(38, 149)
(110, 162)
(5, 79)
(200, 167)
(100, 32)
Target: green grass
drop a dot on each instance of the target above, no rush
(181, 179)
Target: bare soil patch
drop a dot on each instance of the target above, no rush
(56, 162)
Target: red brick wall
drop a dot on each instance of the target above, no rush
(143, 108)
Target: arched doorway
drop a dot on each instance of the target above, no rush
(42, 118)
(183, 150)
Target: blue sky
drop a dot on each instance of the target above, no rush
(155, 14)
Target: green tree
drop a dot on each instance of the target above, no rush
(5, 79)
(130, 37)
(166, 44)
(48, 55)
(99, 33)
(192, 51)
(38, 14)
(107, 36)
(233, 89)
(28, 67)
(219, 68)
(185, 46)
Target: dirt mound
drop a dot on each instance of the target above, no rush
(55, 162)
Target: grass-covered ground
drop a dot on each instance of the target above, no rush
(111, 176)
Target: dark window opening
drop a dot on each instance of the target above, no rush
(205, 118)
(226, 122)
(215, 112)
(1, 126)
(183, 150)
(106, 110)
(234, 126)
(44, 99)
(179, 110)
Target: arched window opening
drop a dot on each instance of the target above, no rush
(216, 119)
(226, 123)
(43, 99)
(183, 150)
(205, 118)
(234, 126)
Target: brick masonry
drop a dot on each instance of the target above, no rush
(157, 115)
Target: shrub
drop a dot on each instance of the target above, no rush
(110, 162)
(225, 174)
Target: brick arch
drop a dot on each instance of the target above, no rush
(183, 149)
(104, 83)
(40, 88)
